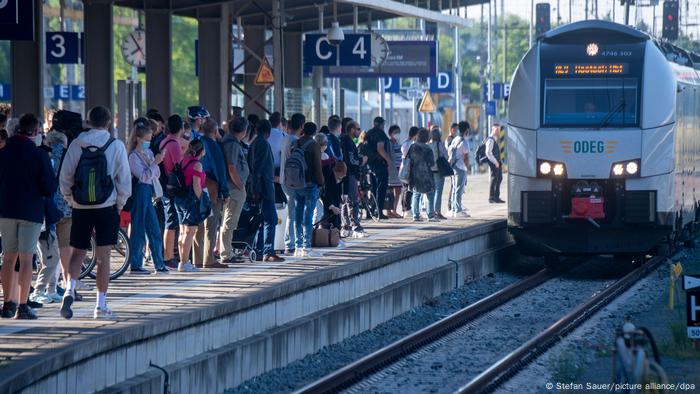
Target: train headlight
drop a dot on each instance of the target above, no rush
(618, 169)
(625, 169)
(545, 168)
(558, 169)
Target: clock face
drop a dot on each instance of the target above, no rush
(134, 48)
(380, 49)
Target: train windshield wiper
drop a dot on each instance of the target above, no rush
(609, 117)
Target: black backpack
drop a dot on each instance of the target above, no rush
(296, 169)
(163, 176)
(93, 183)
(481, 152)
(176, 187)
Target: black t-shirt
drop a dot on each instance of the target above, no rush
(374, 137)
(351, 156)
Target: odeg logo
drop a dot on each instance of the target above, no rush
(592, 49)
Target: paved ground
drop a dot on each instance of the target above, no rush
(133, 298)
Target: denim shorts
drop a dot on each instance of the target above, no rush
(19, 236)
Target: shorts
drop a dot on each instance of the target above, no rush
(19, 236)
(171, 218)
(103, 221)
(63, 232)
(192, 211)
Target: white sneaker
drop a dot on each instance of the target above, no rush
(345, 233)
(360, 234)
(433, 220)
(55, 297)
(104, 314)
(312, 253)
(82, 286)
(187, 267)
(463, 214)
(341, 244)
(40, 298)
(299, 252)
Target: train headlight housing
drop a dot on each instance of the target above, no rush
(625, 169)
(550, 169)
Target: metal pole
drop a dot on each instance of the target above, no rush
(586, 9)
(489, 61)
(532, 15)
(570, 10)
(627, 12)
(355, 21)
(382, 94)
(457, 76)
(558, 13)
(653, 20)
(318, 77)
(277, 55)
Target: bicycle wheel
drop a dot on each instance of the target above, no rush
(119, 257)
(371, 206)
(89, 261)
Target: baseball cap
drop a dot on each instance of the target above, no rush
(197, 112)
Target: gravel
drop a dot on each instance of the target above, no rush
(333, 357)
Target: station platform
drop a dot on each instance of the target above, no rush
(213, 329)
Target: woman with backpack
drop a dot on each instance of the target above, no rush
(194, 205)
(441, 169)
(145, 186)
(421, 181)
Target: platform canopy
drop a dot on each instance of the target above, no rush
(302, 15)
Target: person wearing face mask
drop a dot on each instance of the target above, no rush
(26, 179)
(145, 186)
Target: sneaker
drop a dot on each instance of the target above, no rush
(360, 234)
(104, 314)
(345, 233)
(34, 304)
(161, 271)
(66, 312)
(24, 312)
(139, 271)
(312, 253)
(82, 286)
(416, 219)
(172, 263)
(299, 253)
(462, 214)
(9, 309)
(40, 298)
(433, 220)
(341, 244)
(289, 252)
(55, 297)
(186, 267)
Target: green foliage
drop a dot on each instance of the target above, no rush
(122, 70)
(185, 85)
(5, 62)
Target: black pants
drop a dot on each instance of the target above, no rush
(406, 197)
(380, 182)
(496, 178)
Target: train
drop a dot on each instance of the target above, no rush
(602, 142)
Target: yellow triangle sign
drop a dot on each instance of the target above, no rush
(426, 104)
(264, 75)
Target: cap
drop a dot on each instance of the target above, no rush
(197, 112)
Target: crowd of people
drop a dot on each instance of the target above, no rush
(187, 183)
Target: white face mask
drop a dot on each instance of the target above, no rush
(336, 133)
(37, 139)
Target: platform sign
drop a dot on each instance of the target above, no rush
(355, 50)
(501, 91)
(406, 59)
(61, 92)
(5, 94)
(16, 20)
(77, 92)
(441, 83)
(691, 285)
(62, 47)
(490, 108)
(392, 85)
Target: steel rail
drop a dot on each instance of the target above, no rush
(350, 374)
(506, 367)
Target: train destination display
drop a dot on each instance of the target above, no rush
(591, 69)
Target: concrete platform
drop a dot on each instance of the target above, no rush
(214, 329)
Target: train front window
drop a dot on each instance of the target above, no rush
(590, 102)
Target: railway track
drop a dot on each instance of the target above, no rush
(353, 375)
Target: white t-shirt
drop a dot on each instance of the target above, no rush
(460, 148)
(405, 146)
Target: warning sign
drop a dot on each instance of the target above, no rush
(264, 75)
(426, 104)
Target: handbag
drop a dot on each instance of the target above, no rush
(405, 169)
(443, 166)
(325, 237)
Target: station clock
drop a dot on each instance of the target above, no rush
(134, 48)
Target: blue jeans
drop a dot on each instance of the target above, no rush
(144, 224)
(304, 215)
(459, 179)
(266, 232)
(437, 194)
(416, 204)
(289, 231)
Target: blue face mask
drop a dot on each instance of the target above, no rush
(146, 144)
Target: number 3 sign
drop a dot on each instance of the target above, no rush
(62, 47)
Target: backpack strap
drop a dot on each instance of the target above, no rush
(105, 146)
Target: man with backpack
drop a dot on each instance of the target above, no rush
(304, 177)
(171, 148)
(96, 180)
(493, 158)
(296, 126)
(378, 162)
(458, 153)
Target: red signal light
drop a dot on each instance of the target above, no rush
(669, 17)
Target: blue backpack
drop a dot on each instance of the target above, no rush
(93, 183)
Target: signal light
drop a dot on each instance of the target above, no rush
(670, 20)
(542, 18)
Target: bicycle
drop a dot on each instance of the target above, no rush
(637, 370)
(368, 201)
(119, 258)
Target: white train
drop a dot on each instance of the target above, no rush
(602, 142)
